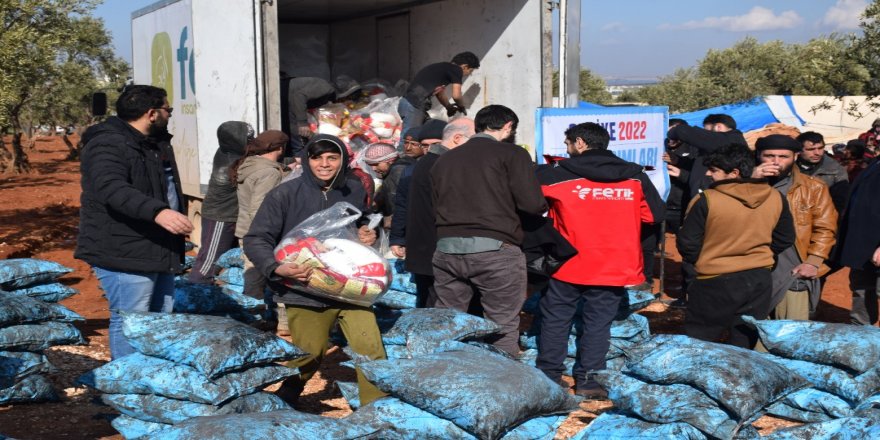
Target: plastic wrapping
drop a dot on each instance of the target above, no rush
(343, 269)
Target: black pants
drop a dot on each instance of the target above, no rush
(719, 303)
(558, 306)
(650, 242)
(425, 296)
(217, 238)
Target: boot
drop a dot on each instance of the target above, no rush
(290, 390)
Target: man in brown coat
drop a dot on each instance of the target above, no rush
(796, 287)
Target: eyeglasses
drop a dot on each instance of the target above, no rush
(167, 109)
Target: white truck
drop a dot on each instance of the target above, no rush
(220, 61)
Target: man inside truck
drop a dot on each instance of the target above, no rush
(299, 95)
(432, 81)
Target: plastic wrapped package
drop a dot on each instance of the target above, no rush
(333, 114)
(343, 269)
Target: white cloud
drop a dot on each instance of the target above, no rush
(845, 14)
(757, 19)
(614, 26)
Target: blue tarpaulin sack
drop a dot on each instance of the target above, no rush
(37, 337)
(615, 426)
(141, 374)
(853, 347)
(275, 425)
(423, 330)
(741, 380)
(668, 404)
(16, 365)
(210, 299)
(233, 275)
(850, 428)
(811, 405)
(833, 379)
(132, 428)
(634, 301)
(159, 409)
(34, 388)
(212, 345)
(16, 310)
(483, 393)
(16, 273)
(395, 299)
(529, 357)
(401, 421)
(52, 292)
(869, 408)
(231, 258)
(401, 280)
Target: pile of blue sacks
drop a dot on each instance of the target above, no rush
(31, 322)
(673, 386)
(188, 366)
(401, 294)
(226, 300)
(841, 362)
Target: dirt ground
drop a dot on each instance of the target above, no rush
(39, 217)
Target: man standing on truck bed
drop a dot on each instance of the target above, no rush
(432, 80)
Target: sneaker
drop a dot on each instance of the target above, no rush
(680, 303)
(592, 393)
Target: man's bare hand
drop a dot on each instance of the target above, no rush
(173, 222)
(876, 258)
(294, 271)
(304, 131)
(673, 170)
(366, 235)
(806, 271)
(765, 170)
(398, 251)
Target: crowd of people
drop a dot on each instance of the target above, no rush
(476, 221)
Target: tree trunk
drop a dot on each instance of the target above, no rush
(20, 162)
(5, 155)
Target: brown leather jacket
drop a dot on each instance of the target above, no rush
(815, 219)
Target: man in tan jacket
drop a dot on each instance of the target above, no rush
(796, 287)
(732, 233)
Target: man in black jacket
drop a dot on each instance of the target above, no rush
(131, 227)
(858, 245)
(220, 207)
(416, 238)
(718, 131)
(479, 191)
(310, 318)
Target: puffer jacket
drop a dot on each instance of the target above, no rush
(124, 187)
(221, 201)
(815, 219)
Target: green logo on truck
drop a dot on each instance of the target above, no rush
(162, 64)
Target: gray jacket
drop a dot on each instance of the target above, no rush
(256, 177)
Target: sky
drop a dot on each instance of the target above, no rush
(645, 39)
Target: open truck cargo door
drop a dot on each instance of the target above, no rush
(210, 61)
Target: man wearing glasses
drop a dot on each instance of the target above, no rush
(132, 226)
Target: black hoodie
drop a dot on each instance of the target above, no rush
(288, 205)
(221, 200)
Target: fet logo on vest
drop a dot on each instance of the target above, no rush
(606, 193)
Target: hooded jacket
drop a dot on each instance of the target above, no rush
(735, 225)
(288, 205)
(221, 201)
(256, 177)
(123, 189)
(598, 202)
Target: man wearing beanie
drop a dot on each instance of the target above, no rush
(411, 145)
(220, 207)
(796, 285)
(389, 166)
(255, 175)
(731, 234)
